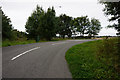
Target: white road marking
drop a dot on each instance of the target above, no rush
(59, 43)
(24, 53)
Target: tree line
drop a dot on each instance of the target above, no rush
(45, 25)
(8, 32)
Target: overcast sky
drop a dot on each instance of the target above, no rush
(19, 10)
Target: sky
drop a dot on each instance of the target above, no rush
(19, 11)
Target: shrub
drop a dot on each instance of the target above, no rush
(108, 52)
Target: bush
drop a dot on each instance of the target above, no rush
(108, 52)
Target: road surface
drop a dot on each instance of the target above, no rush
(37, 60)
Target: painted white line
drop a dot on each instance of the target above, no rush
(59, 43)
(24, 53)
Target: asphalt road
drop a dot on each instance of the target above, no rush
(37, 60)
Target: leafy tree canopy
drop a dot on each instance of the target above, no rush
(6, 27)
(113, 9)
(41, 24)
(65, 25)
(94, 27)
(81, 23)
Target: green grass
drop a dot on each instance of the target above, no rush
(18, 42)
(6, 43)
(10, 43)
(83, 62)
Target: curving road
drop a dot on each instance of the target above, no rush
(37, 60)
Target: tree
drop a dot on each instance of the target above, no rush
(6, 27)
(73, 28)
(81, 23)
(34, 23)
(41, 24)
(65, 25)
(94, 27)
(49, 24)
(113, 9)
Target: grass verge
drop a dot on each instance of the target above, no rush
(83, 62)
(10, 43)
(6, 43)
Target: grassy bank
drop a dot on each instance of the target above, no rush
(10, 43)
(6, 43)
(88, 60)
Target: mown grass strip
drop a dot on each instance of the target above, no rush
(6, 43)
(83, 63)
(10, 43)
